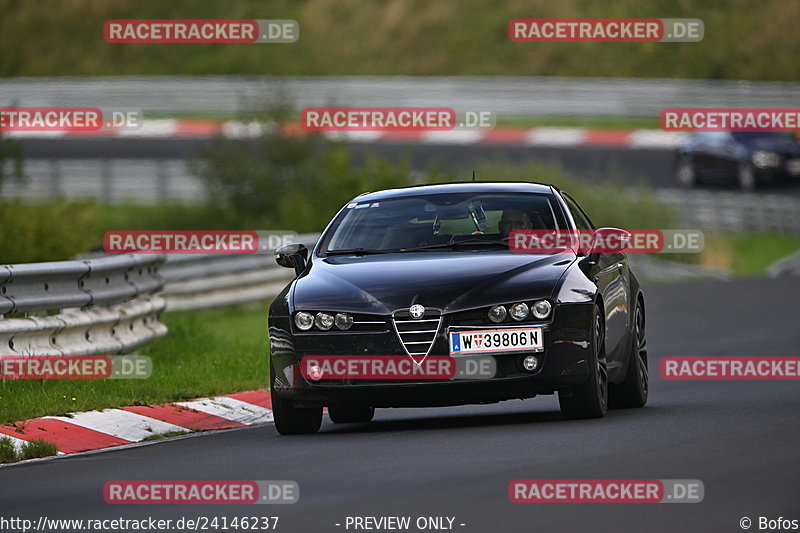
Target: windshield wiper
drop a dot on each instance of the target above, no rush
(359, 251)
(453, 245)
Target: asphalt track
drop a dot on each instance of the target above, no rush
(739, 438)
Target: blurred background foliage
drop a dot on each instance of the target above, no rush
(404, 37)
(283, 180)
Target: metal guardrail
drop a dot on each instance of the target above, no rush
(504, 95)
(202, 281)
(785, 267)
(92, 306)
(735, 212)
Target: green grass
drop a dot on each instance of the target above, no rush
(30, 450)
(35, 449)
(744, 39)
(209, 352)
(8, 454)
(748, 254)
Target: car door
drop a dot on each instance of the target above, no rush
(610, 274)
(717, 155)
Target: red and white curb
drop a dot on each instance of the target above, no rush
(94, 430)
(543, 136)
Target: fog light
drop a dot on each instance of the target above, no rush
(519, 311)
(497, 313)
(344, 321)
(541, 309)
(304, 320)
(324, 321)
(530, 363)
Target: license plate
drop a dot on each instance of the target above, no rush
(496, 340)
(793, 166)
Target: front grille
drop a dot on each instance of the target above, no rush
(417, 335)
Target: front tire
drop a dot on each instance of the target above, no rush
(590, 400)
(633, 391)
(291, 420)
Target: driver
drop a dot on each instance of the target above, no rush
(514, 219)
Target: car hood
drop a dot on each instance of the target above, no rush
(451, 281)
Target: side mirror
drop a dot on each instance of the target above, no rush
(606, 240)
(609, 241)
(293, 255)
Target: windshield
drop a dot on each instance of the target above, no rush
(439, 222)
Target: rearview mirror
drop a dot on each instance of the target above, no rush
(610, 241)
(292, 255)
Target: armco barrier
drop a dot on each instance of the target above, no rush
(202, 281)
(93, 306)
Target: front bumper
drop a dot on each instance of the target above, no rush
(564, 365)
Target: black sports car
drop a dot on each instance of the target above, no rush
(427, 271)
(744, 159)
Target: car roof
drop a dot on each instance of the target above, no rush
(458, 187)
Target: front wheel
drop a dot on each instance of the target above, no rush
(633, 390)
(291, 420)
(590, 400)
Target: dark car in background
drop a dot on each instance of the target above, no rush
(735, 158)
(409, 271)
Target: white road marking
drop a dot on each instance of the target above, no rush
(122, 424)
(231, 409)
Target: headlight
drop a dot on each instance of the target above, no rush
(304, 320)
(519, 311)
(344, 321)
(324, 321)
(763, 158)
(497, 313)
(541, 309)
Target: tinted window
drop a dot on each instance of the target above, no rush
(581, 220)
(426, 220)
